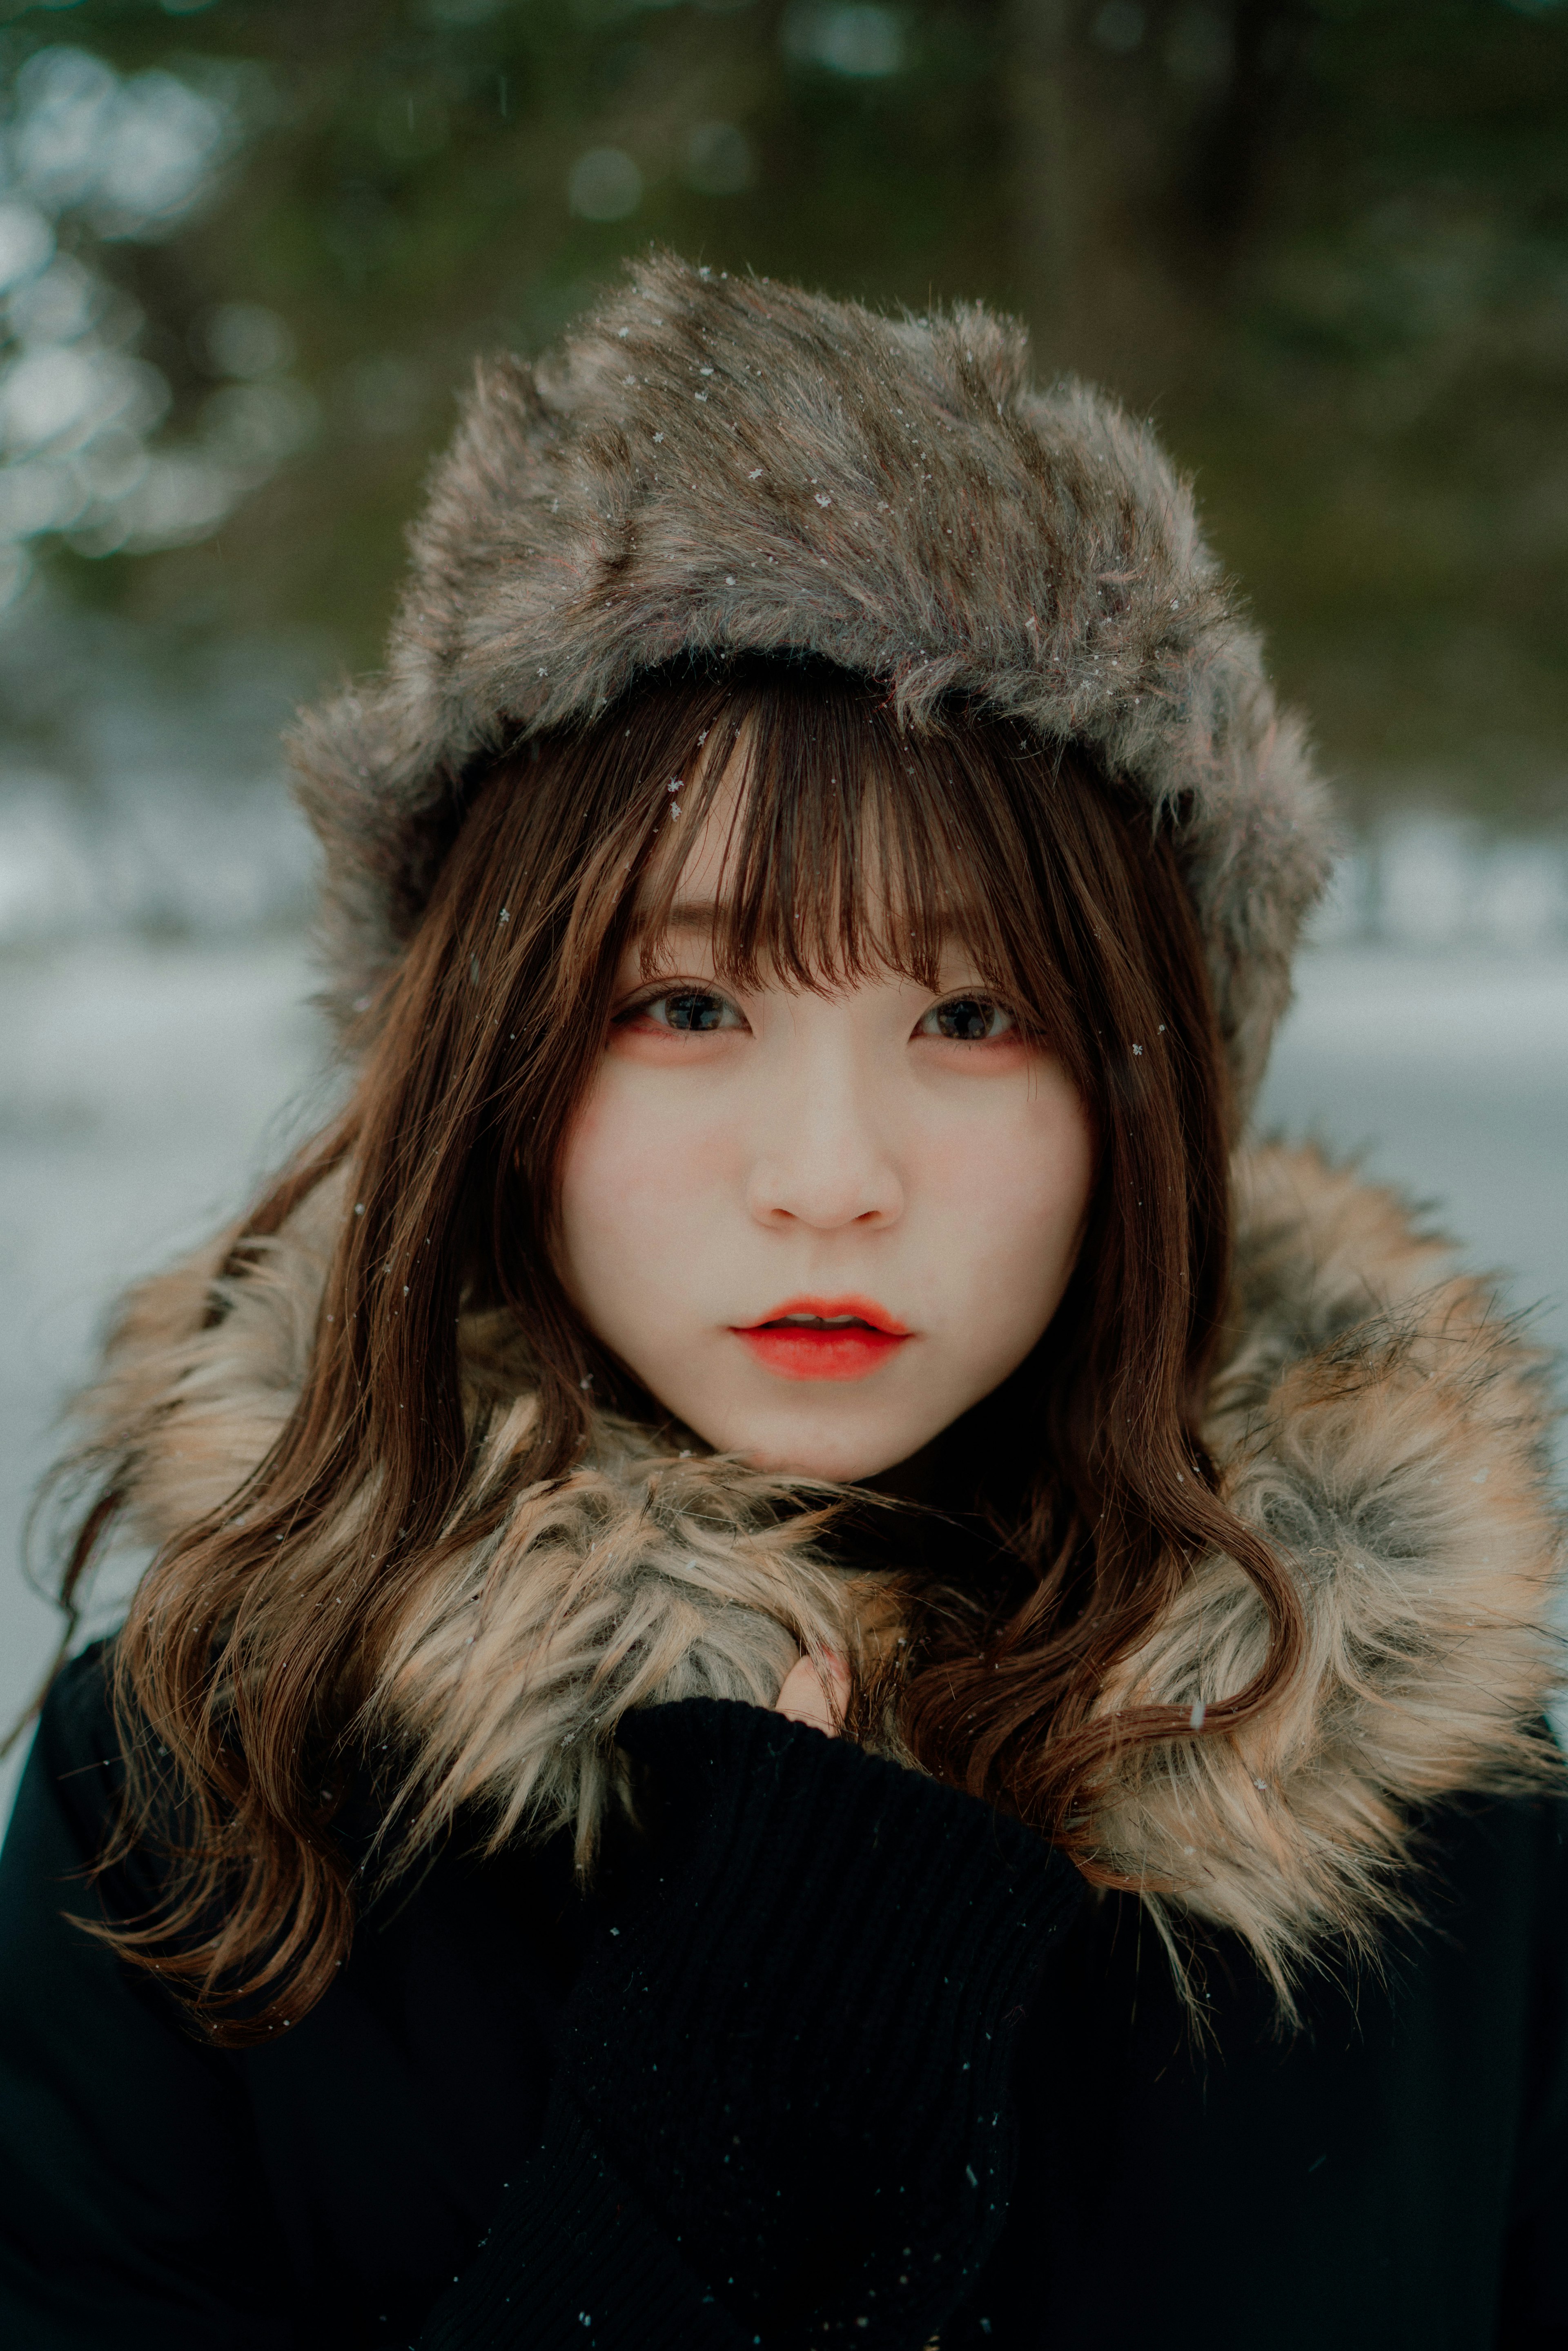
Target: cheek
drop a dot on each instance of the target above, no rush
(634, 1184)
(1011, 1194)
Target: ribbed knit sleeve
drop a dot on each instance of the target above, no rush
(575, 2262)
(783, 2113)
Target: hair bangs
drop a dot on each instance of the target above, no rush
(849, 848)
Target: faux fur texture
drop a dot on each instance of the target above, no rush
(714, 466)
(1376, 1418)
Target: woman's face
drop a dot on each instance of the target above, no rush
(817, 1228)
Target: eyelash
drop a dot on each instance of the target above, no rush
(675, 995)
(695, 995)
(988, 1004)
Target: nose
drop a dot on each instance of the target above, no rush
(824, 1159)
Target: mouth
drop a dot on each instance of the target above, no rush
(824, 1338)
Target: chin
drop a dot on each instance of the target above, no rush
(841, 1457)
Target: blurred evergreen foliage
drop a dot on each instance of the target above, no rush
(1323, 242)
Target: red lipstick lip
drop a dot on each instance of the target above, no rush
(859, 1338)
(833, 1310)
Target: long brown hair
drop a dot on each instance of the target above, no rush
(251, 1645)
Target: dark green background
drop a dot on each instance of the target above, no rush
(1325, 242)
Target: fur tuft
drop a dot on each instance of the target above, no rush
(639, 1581)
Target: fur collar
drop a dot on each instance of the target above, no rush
(1376, 1418)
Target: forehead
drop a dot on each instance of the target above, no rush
(796, 879)
(700, 831)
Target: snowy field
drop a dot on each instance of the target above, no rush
(144, 1089)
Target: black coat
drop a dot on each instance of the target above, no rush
(1395, 2172)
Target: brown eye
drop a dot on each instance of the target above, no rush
(968, 1020)
(693, 1011)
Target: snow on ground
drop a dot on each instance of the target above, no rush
(144, 1089)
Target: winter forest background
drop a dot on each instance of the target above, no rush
(248, 251)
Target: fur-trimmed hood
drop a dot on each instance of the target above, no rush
(1375, 1418)
(714, 466)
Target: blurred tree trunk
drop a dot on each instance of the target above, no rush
(1036, 51)
(1238, 132)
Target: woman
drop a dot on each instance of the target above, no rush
(808, 903)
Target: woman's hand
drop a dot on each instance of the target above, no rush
(816, 1693)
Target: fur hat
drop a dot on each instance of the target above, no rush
(715, 466)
